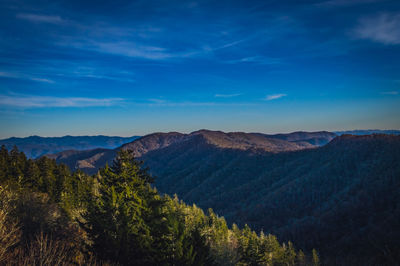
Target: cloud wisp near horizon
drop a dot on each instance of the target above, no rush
(230, 65)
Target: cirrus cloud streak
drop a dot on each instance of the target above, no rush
(29, 101)
(274, 96)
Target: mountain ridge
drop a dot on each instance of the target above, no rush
(255, 142)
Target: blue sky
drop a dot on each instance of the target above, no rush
(135, 67)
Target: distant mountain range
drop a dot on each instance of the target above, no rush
(36, 146)
(90, 161)
(368, 132)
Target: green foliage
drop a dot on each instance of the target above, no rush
(117, 220)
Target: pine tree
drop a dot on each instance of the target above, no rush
(4, 163)
(46, 178)
(61, 174)
(301, 258)
(118, 220)
(17, 162)
(315, 258)
(32, 174)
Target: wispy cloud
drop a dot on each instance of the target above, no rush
(227, 95)
(132, 49)
(390, 92)
(31, 101)
(148, 42)
(42, 80)
(274, 96)
(24, 76)
(129, 49)
(8, 75)
(95, 73)
(166, 103)
(384, 28)
(182, 104)
(126, 41)
(41, 18)
(261, 60)
(343, 3)
(157, 101)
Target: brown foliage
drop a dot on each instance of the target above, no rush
(10, 232)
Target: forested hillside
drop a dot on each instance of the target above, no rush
(35, 146)
(50, 216)
(342, 198)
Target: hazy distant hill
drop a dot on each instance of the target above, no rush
(368, 132)
(91, 161)
(36, 146)
(305, 138)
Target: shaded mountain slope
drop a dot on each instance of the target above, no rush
(343, 197)
(246, 141)
(36, 146)
(88, 161)
(300, 137)
(153, 141)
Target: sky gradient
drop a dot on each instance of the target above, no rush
(135, 67)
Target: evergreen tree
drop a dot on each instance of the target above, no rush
(187, 245)
(315, 258)
(4, 163)
(118, 219)
(61, 174)
(301, 258)
(46, 178)
(17, 161)
(32, 174)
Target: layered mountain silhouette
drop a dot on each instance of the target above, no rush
(35, 146)
(91, 160)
